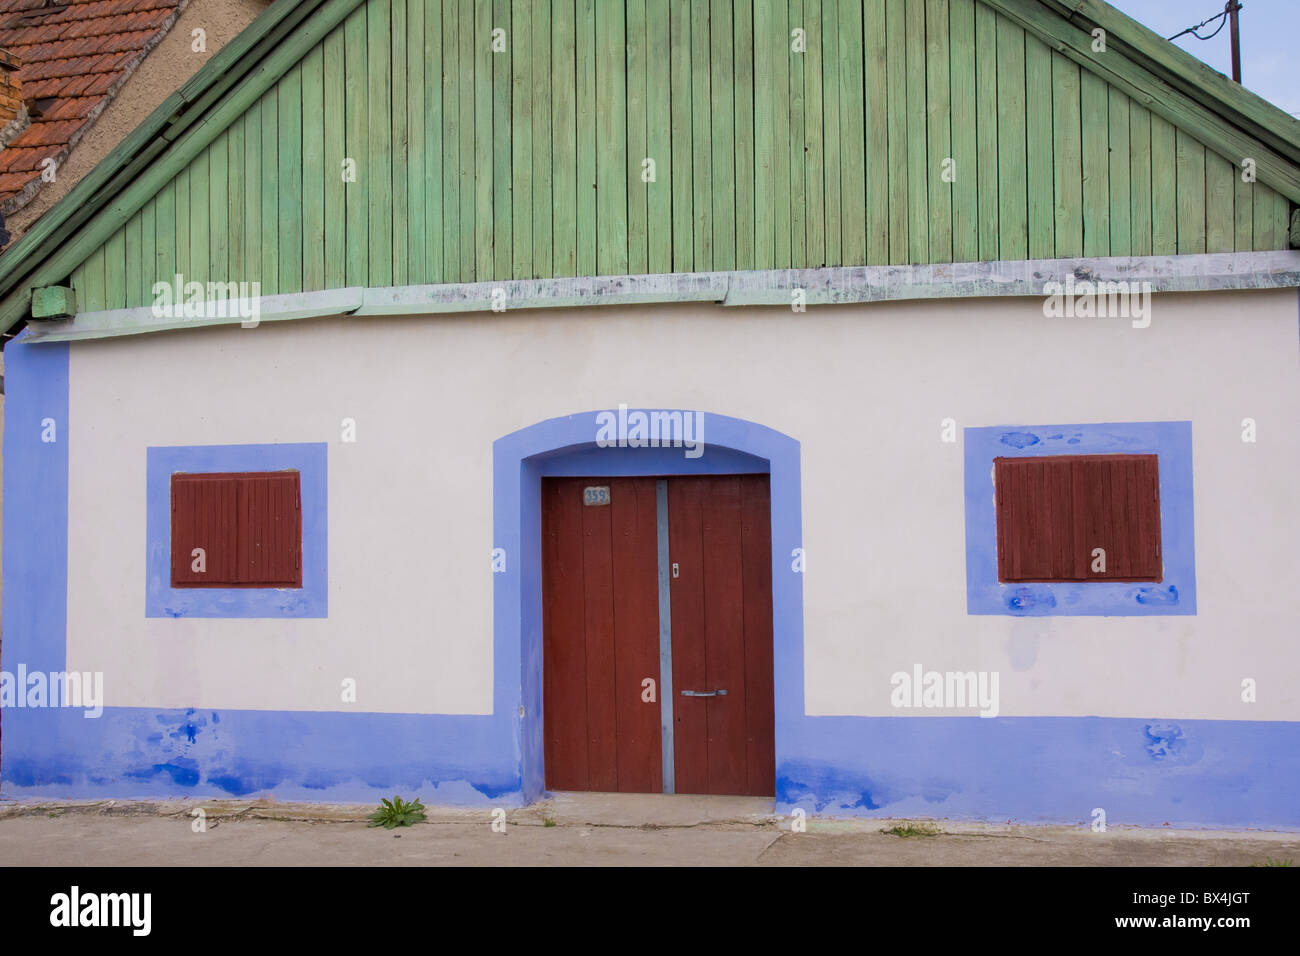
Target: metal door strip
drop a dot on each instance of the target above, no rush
(665, 638)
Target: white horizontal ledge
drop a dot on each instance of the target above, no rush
(771, 287)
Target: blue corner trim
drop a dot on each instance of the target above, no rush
(1175, 594)
(311, 600)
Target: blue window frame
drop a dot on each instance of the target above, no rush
(162, 600)
(1175, 594)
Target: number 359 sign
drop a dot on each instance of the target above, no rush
(595, 495)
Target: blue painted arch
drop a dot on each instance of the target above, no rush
(568, 447)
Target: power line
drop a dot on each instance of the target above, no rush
(1220, 16)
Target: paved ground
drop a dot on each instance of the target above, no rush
(579, 829)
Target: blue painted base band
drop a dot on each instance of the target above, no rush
(1190, 773)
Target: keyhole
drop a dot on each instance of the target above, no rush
(675, 569)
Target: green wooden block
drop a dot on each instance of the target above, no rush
(54, 302)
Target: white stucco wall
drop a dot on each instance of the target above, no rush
(863, 388)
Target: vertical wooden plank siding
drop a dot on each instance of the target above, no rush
(413, 167)
(611, 140)
(1262, 200)
(564, 144)
(1013, 181)
(484, 178)
(234, 200)
(814, 159)
(1164, 208)
(1219, 189)
(918, 175)
(1243, 211)
(833, 176)
(451, 135)
(585, 70)
(435, 117)
(1096, 164)
(165, 240)
(271, 195)
(743, 49)
(682, 160)
(354, 167)
(467, 167)
(722, 85)
(218, 208)
(182, 191)
(540, 142)
(965, 196)
(1038, 148)
(638, 242)
(939, 126)
(764, 135)
(399, 80)
(252, 200)
(502, 222)
(290, 189)
(380, 140)
(131, 275)
(1120, 155)
(659, 145)
(986, 128)
(657, 136)
(143, 294)
(875, 37)
(115, 270)
(198, 213)
(1139, 168)
(1191, 194)
(521, 137)
(333, 151)
(1067, 153)
(777, 37)
(798, 176)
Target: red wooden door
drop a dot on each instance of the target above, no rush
(600, 591)
(719, 533)
(601, 636)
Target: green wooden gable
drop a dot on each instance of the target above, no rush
(377, 143)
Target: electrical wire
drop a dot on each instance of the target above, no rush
(1222, 16)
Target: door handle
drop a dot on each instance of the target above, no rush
(721, 692)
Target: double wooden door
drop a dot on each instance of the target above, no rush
(617, 552)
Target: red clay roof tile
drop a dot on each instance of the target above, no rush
(74, 53)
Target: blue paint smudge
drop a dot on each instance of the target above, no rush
(183, 771)
(1055, 437)
(1165, 741)
(232, 784)
(1024, 599)
(1157, 596)
(1020, 439)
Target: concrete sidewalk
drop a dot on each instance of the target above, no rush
(572, 829)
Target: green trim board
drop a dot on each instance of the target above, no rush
(525, 160)
(840, 285)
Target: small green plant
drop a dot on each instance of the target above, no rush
(397, 813)
(909, 829)
(548, 822)
(1269, 861)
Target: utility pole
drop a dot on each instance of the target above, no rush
(1232, 7)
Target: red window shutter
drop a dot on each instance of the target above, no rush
(1119, 504)
(203, 509)
(249, 525)
(1054, 512)
(270, 533)
(1036, 531)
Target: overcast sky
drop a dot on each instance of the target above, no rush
(1268, 33)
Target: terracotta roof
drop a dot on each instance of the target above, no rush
(75, 56)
